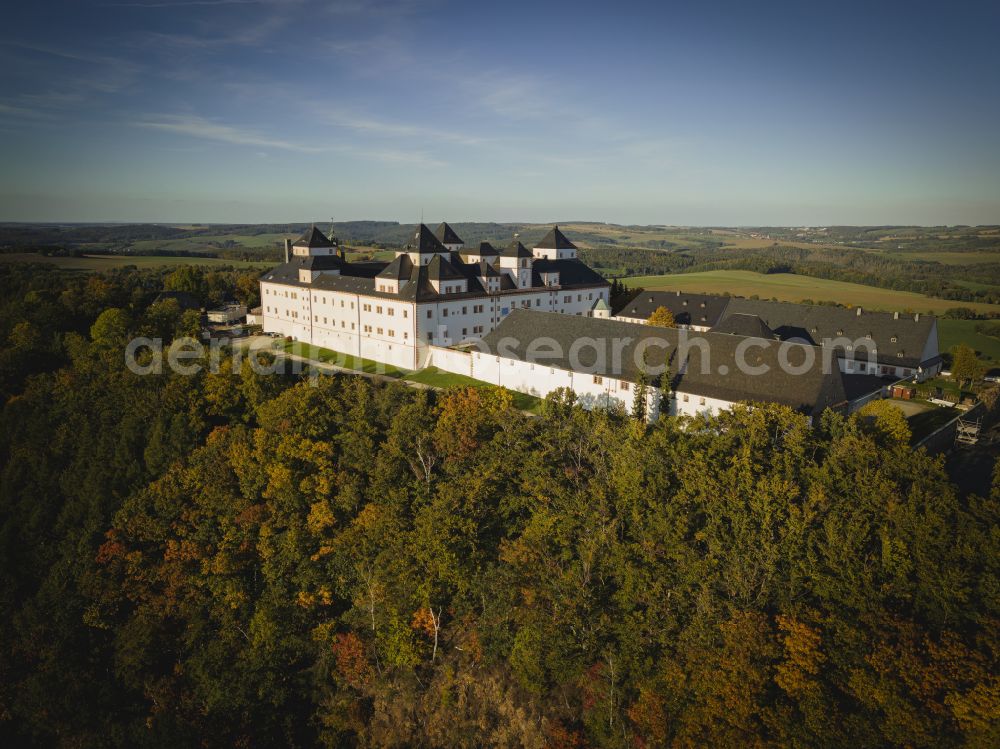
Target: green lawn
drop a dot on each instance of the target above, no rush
(431, 376)
(789, 287)
(953, 332)
(436, 378)
(347, 361)
(90, 263)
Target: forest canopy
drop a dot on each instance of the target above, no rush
(240, 559)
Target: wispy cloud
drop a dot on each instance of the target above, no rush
(183, 4)
(9, 110)
(397, 129)
(199, 127)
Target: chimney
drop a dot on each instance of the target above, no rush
(678, 293)
(916, 317)
(895, 315)
(288, 249)
(859, 312)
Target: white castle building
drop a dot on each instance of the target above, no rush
(435, 293)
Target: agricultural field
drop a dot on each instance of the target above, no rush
(91, 263)
(953, 332)
(788, 287)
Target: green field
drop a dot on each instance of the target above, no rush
(107, 262)
(953, 332)
(788, 287)
(945, 258)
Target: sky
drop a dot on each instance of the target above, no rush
(697, 113)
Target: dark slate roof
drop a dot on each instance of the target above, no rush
(572, 272)
(360, 278)
(399, 269)
(814, 323)
(516, 249)
(439, 269)
(555, 240)
(748, 326)
(313, 237)
(703, 310)
(809, 392)
(425, 242)
(485, 270)
(318, 262)
(447, 235)
(858, 385)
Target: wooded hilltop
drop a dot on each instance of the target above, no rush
(237, 559)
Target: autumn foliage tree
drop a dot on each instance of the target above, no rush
(243, 559)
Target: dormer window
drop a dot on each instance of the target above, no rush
(869, 336)
(899, 355)
(893, 339)
(814, 329)
(685, 303)
(840, 332)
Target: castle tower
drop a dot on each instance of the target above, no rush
(516, 260)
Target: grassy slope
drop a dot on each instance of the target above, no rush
(792, 288)
(431, 376)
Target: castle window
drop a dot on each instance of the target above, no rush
(701, 401)
(624, 386)
(598, 379)
(430, 313)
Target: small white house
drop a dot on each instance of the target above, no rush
(227, 314)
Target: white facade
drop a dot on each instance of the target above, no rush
(395, 331)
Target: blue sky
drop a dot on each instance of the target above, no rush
(700, 113)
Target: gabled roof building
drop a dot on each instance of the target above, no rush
(886, 344)
(434, 292)
(601, 361)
